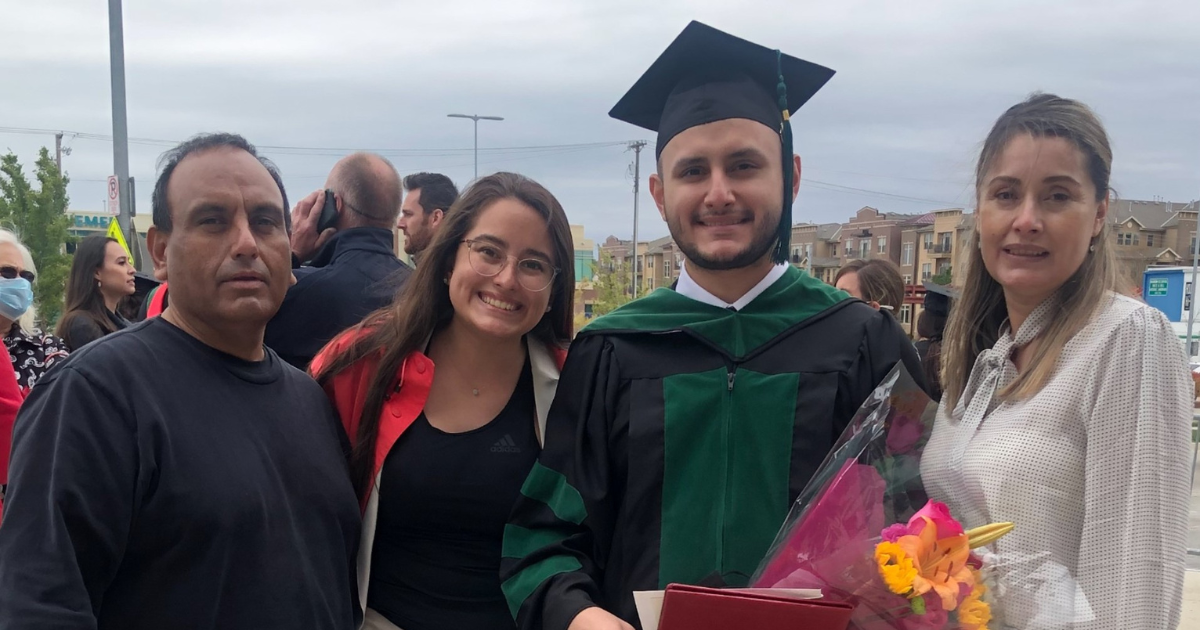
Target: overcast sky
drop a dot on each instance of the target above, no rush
(898, 128)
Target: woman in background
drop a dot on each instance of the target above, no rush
(876, 282)
(101, 275)
(31, 351)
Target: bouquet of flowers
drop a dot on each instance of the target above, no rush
(865, 532)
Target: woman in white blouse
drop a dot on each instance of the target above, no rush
(1067, 406)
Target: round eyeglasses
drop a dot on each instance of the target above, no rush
(534, 274)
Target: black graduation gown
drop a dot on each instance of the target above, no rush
(679, 437)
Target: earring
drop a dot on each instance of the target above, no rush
(446, 280)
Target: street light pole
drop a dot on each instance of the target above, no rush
(116, 50)
(475, 118)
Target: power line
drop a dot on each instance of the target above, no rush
(333, 151)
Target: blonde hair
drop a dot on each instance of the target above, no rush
(28, 321)
(976, 318)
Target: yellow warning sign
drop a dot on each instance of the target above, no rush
(114, 232)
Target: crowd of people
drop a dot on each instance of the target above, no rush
(305, 432)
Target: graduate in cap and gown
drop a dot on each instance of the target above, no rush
(687, 422)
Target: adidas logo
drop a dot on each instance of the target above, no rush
(505, 445)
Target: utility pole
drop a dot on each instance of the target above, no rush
(475, 118)
(58, 151)
(116, 52)
(637, 180)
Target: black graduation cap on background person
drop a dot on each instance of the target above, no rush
(707, 75)
(938, 297)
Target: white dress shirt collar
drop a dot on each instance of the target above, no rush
(688, 287)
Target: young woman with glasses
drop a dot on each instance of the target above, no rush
(444, 397)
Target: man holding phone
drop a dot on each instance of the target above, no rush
(343, 236)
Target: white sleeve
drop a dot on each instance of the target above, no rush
(1131, 555)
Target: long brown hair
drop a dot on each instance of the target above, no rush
(423, 304)
(879, 281)
(84, 298)
(976, 317)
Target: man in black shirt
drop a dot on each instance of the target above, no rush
(353, 269)
(178, 474)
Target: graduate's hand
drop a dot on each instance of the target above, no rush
(305, 217)
(596, 618)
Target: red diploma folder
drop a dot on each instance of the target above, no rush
(700, 608)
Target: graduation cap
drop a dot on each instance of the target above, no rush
(938, 297)
(707, 75)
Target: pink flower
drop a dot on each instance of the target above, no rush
(892, 533)
(939, 514)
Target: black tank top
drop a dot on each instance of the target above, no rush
(444, 499)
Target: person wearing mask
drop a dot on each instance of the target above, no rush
(352, 269)
(429, 196)
(31, 351)
(178, 474)
(101, 275)
(1067, 406)
(876, 282)
(445, 396)
(688, 421)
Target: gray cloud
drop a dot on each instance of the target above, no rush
(918, 85)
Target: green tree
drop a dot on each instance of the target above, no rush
(944, 277)
(39, 218)
(611, 278)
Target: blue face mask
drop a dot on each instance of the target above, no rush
(15, 297)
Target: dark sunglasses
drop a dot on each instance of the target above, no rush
(8, 272)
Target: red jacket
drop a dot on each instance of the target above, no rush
(348, 390)
(10, 401)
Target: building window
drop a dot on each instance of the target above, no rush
(907, 279)
(882, 244)
(927, 240)
(649, 263)
(945, 239)
(906, 314)
(1149, 240)
(1135, 239)
(866, 249)
(850, 247)
(926, 271)
(906, 254)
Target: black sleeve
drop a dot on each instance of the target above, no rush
(560, 531)
(883, 345)
(81, 331)
(70, 504)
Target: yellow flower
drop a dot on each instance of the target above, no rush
(974, 613)
(895, 567)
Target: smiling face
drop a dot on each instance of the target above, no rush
(721, 192)
(1038, 214)
(499, 306)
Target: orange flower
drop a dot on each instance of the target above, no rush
(941, 563)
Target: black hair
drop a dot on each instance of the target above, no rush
(437, 191)
(197, 144)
